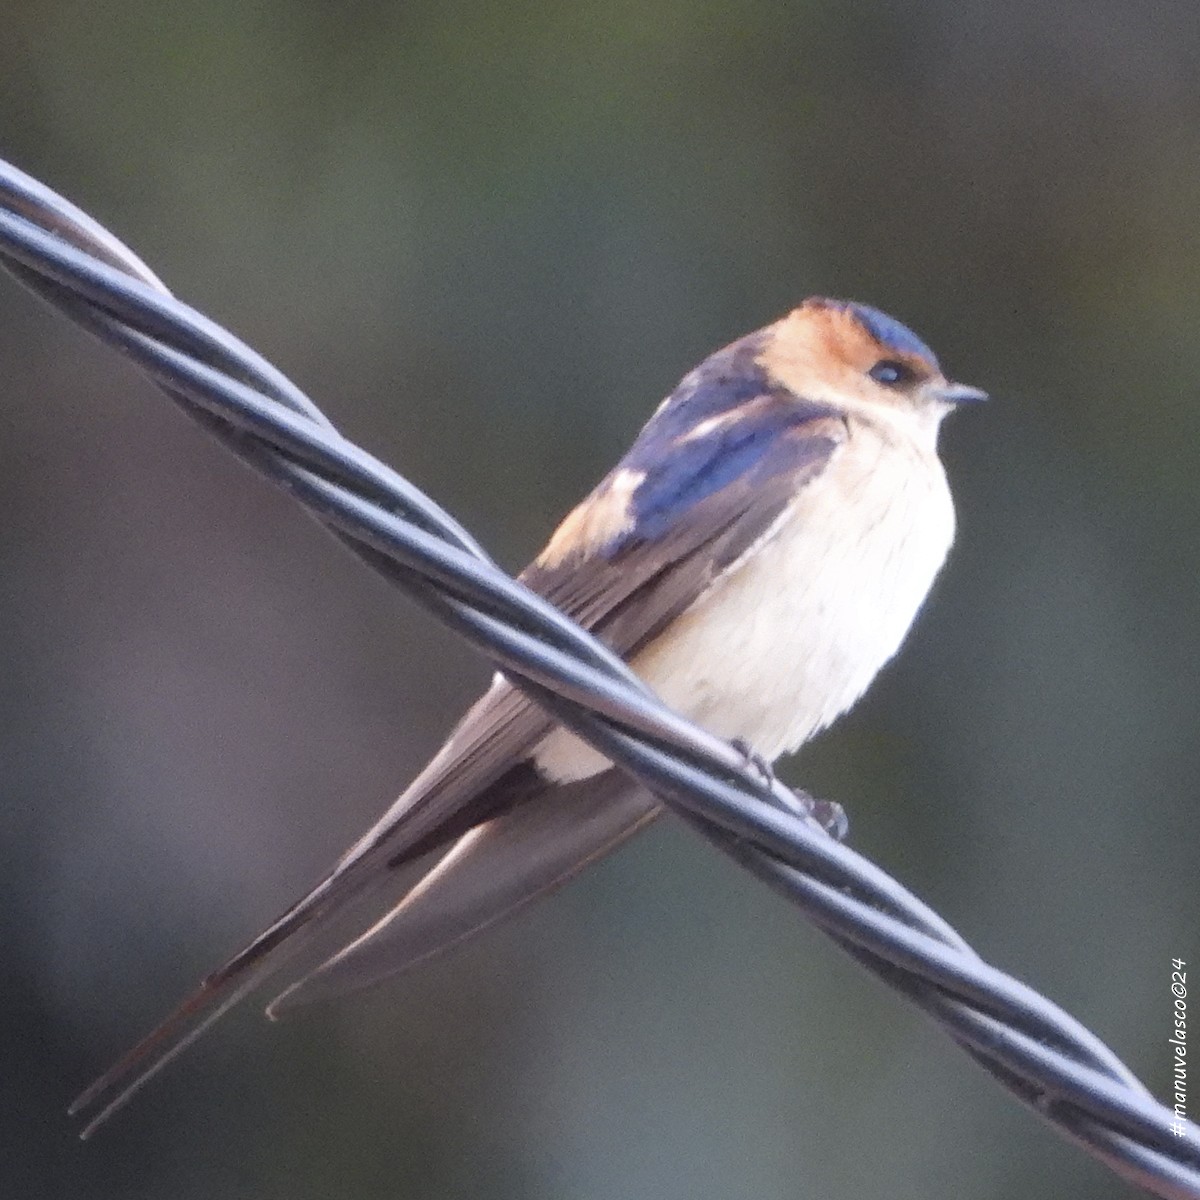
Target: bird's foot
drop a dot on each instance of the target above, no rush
(830, 815)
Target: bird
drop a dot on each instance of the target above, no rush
(756, 556)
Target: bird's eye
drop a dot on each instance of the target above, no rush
(891, 373)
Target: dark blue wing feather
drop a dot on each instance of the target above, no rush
(752, 438)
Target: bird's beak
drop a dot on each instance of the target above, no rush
(959, 393)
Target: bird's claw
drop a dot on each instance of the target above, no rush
(830, 815)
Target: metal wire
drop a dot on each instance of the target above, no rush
(1039, 1052)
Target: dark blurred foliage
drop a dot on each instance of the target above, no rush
(488, 238)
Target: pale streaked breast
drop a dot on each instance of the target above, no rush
(791, 638)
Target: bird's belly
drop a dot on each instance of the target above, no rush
(791, 638)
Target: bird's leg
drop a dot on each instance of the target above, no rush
(754, 760)
(830, 815)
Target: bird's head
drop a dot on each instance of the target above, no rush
(860, 358)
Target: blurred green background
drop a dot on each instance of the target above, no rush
(487, 238)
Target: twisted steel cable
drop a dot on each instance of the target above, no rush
(1035, 1049)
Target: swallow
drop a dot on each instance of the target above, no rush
(757, 556)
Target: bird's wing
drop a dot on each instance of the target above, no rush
(689, 519)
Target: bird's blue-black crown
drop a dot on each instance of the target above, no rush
(887, 331)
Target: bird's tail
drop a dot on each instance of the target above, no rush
(490, 872)
(224, 987)
(437, 797)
